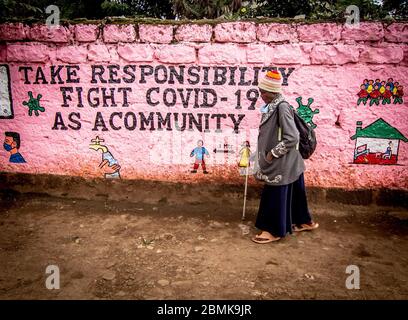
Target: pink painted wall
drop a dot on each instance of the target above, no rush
(328, 61)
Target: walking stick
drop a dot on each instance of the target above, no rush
(245, 192)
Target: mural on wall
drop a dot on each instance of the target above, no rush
(376, 90)
(378, 143)
(306, 112)
(177, 94)
(108, 163)
(6, 103)
(214, 100)
(199, 153)
(33, 104)
(12, 145)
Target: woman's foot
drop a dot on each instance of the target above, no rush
(305, 226)
(264, 237)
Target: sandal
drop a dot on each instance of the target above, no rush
(305, 226)
(261, 240)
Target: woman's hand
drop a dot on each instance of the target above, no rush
(269, 157)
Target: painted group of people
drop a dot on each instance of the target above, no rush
(377, 90)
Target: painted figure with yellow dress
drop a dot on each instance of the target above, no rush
(245, 154)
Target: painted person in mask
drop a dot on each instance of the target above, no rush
(12, 144)
(278, 163)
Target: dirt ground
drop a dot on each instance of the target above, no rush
(116, 250)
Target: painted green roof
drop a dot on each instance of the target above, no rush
(380, 129)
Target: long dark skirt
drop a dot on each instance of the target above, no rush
(282, 206)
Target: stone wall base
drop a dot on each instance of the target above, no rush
(158, 192)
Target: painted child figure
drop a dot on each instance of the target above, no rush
(245, 158)
(245, 153)
(375, 96)
(362, 95)
(382, 87)
(370, 86)
(387, 95)
(199, 152)
(395, 88)
(390, 82)
(398, 95)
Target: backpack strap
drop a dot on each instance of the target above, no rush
(280, 128)
(277, 118)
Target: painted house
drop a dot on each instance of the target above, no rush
(378, 143)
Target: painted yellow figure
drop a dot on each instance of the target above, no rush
(370, 86)
(245, 153)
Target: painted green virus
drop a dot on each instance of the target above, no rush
(305, 112)
(33, 104)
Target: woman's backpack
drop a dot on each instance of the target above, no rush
(307, 136)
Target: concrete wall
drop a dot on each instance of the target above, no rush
(150, 92)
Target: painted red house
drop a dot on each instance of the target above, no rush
(378, 143)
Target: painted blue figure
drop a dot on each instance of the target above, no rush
(390, 82)
(388, 152)
(199, 152)
(12, 144)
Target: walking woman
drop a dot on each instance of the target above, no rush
(278, 163)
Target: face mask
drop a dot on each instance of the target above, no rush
(264, 109)
(7, 146)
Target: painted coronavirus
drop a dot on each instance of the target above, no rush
(305, 112)
(34, 104)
